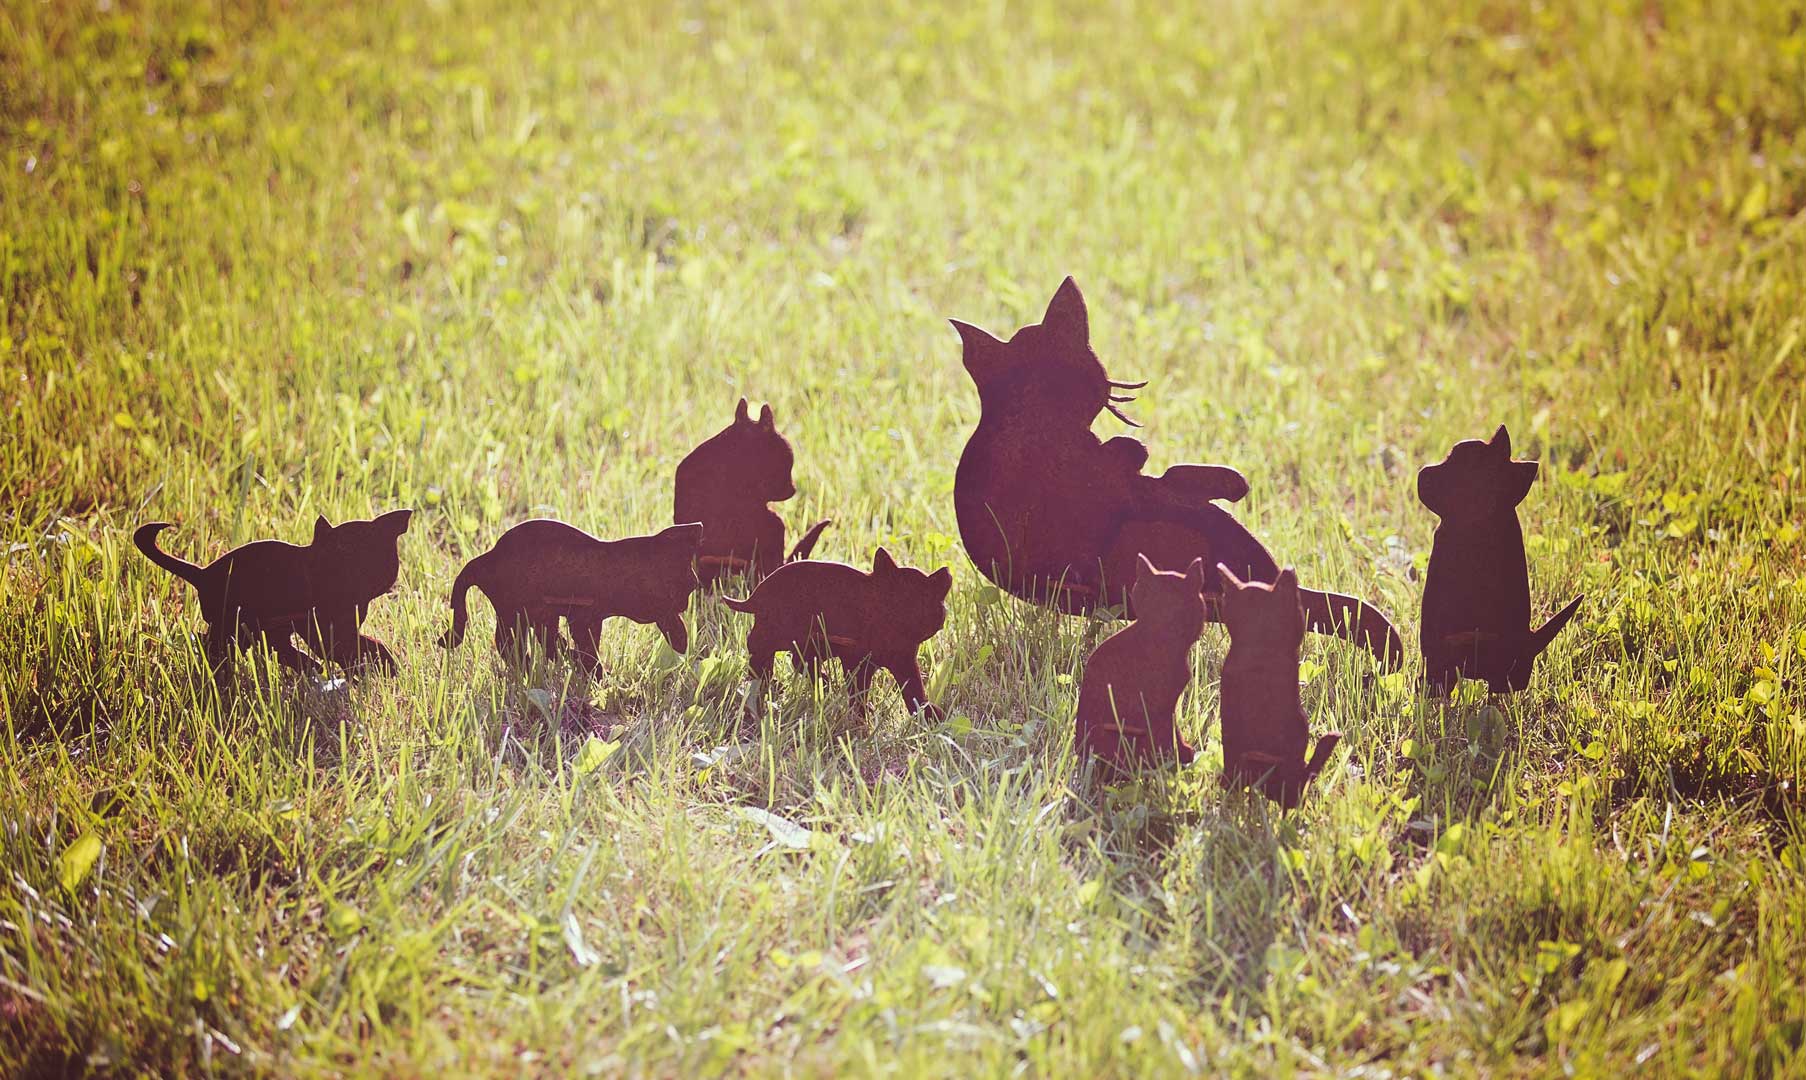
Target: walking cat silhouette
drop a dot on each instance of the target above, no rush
(726, 483)
(542, 570)
(1476, 597)
(816, 610)
(1265, 732)
(275, 590)
(1135, 677)
(1053, 515)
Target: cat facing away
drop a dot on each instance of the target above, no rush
(1265, 731)
(1054, 515)
(272, 590)
(1476, 597)
(818, 611)
(726, 483)
(1134, 679)
(542, 570)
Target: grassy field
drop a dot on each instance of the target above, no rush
(265, 260)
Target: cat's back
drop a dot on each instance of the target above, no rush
(807, 585)
(542, 537)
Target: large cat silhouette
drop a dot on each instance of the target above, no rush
(1056, 516)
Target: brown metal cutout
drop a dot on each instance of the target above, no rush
(542, 570)
(1054, 515)
(1476, 599)
(725, 483)
(1265, 733)
(816, 610)
(275, 590)
(1134, 678)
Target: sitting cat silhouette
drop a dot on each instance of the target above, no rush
(1135, 677)
(275, 590)
(1476, 597)
(1054, 515)
(1265, 732)
(725, 483)
(816, 610)
(542, 570)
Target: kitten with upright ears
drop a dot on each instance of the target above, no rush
(1476, 597)
(1265, 732)
(1056, 516)
(271, 590)
(1134, 679)
(727, 483)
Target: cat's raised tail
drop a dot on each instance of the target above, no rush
(146, 540)
(475, 572)
(807, 544)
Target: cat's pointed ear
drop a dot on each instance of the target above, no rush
(1521, 475)
(1066, 316)
(766, 420)
(1195, 575)
(740, 416)
(396, 521)
(979, 350)
(1144, 567)
(882, 563)
(322, 528)
(1501, 442)
(942, 580)
(1286, 582)
(1235, 584)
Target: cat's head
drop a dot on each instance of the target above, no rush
(362, 557)
(1045, 370)
(669, 579)
(1478, 481)
(757, 458)
(1268, 617)
(916, 603)
(1168, 598)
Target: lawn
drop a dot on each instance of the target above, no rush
(263, 260)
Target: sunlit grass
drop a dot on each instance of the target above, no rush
(260, 262)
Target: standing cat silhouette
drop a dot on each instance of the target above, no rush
(1265, 732)
(1135, 677)
(1054, 515)
(1476, 597)
(273, 590)
(726, 483)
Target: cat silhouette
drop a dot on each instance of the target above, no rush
(1265, 732)
(726, 483)
(1476, 597)
(819, 610)
(1054, 515)
(273, 590)
(1134, 678)
(543, 570)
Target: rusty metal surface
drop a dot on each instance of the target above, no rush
(818, 610)
(274, 590)
(1056, 516)
(1265, 731)
(1134, 678)
(541, 571)
(1476, 598)
(726, 483)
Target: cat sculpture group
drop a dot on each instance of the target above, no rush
(1046, 510)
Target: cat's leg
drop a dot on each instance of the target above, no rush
(508, 622)
(544, 626)
(219, 648)
(859, 680)
(908, 674)
(587, 634)
(283, 643)
(762, 647)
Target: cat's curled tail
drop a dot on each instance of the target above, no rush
(807, 544)
(146, 540)
(475, 572)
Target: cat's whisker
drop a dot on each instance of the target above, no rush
(1126, 385)
(1120, 415)
(1122, 397)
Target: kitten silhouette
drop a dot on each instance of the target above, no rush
(544, 570)
(821, 610)
(274, 590)
(1135, 677)
(1476, 597)
(725, 483)
(1265, 732)
(1053, 515)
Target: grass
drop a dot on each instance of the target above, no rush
(260, 261)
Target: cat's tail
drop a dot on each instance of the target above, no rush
(146, 540)
(474, 573)
(807, 544)
(745, 605)
(1326, 745)
(1543, 635)
(1356, 620)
